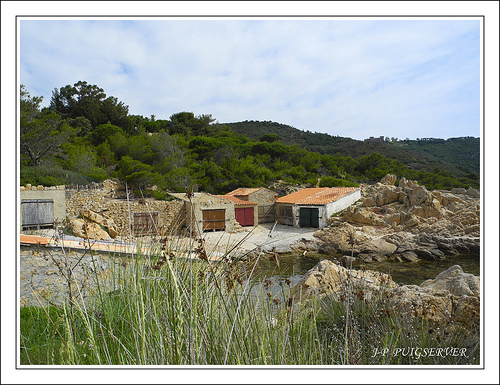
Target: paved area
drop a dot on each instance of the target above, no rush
(264, 237)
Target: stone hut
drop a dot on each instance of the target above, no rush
(206, 212)
(244, 210)
(42, 206)
(263, 197)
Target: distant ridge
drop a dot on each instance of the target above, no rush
(460, 156)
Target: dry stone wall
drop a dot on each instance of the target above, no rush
(171, 213)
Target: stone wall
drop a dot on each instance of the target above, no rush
(43, 271)
(171, 213)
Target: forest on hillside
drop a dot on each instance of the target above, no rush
(86, 136)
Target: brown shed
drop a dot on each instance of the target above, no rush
(208, 212)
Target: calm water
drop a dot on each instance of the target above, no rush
(294, 266)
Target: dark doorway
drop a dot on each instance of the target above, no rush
(309, 217)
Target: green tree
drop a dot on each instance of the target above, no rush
(82, 125)
(269, 138)
(188, 124)
(89, 101)
(139, 175)
(41, 134)
(104, 132)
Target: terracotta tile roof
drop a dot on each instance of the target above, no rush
(237, 201)
(317, 196)
(243, 191)
(301, 194)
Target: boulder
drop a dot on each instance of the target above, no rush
(448, 198)
(418, 302)
(458, 191)
(85, 229)
(404, 183)
(389, 179)
(101, 220)
(387, 196)
(77, 227)
(453, 296)
(376, 248)
(473, 193)
(432, 246)
(455, 281)
(113, 184)
(364, 216)
(329, 278)
(417, 195)
(337, 239)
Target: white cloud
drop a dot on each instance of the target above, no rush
(399, 78)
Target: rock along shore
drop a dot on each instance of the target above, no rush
(405, 222)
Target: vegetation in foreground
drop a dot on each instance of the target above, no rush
(168, 310)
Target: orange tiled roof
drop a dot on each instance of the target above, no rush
(317, 196)
(237, 201)
(300, 195)
(243, 191)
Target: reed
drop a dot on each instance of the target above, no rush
(168, 308)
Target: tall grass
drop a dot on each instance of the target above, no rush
(167, 308)
(172, 312)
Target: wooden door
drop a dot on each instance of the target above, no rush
(145, 223)
(285, 215)
(244, 216)
(267, 213)
(37, 212)
(214, 219)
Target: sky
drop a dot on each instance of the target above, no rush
(394, 77)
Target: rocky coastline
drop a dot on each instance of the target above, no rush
(405, 223)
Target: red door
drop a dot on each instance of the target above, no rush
(244, 216)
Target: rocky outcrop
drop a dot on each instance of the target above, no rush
(329, 278)
(451, 299)
(107, 223)
(406, 222)
(114, 188)
(389, 179)
(336, 240)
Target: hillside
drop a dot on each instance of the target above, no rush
(462, 152)
(459, 156)
(82, 142)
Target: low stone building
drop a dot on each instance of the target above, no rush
(263, 197)
(244, 210)
(311, 207)
(42, 206)
(208, 212)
